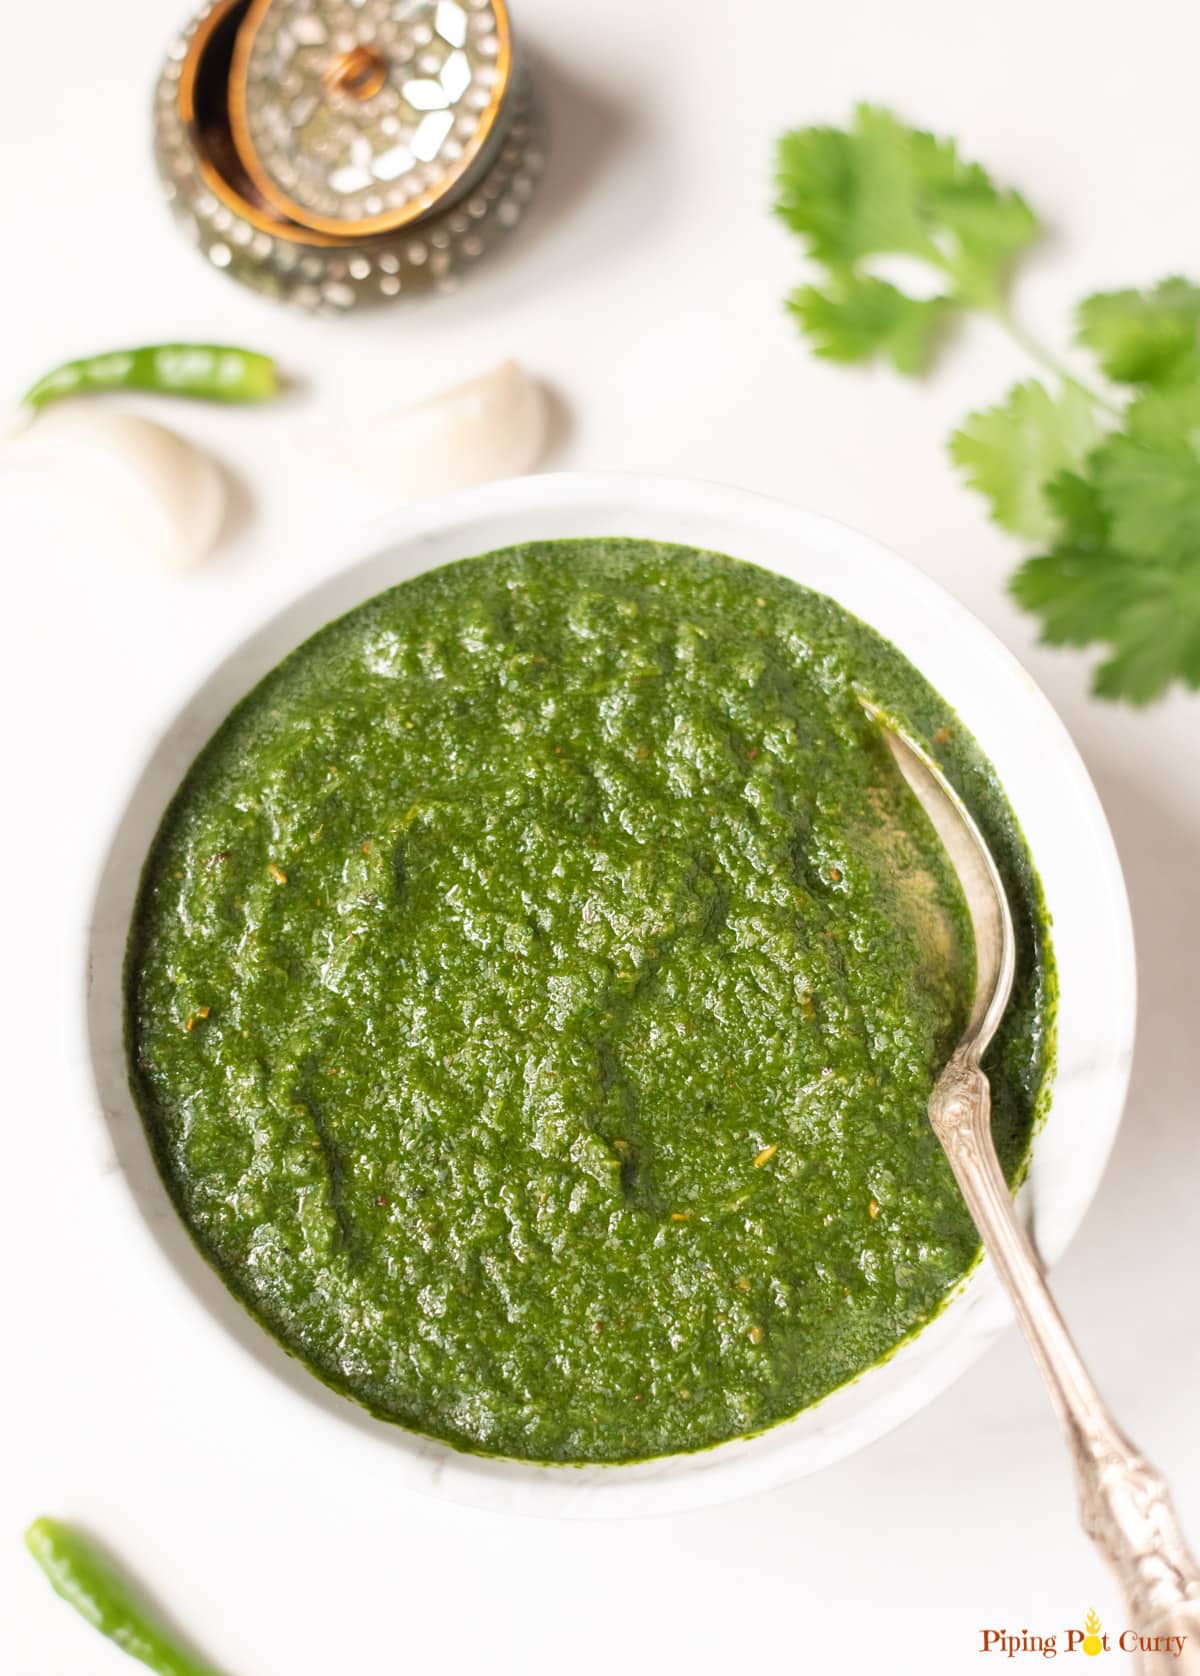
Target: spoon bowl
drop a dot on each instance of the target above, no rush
(987, 903)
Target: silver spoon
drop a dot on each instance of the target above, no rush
(1124, 1503)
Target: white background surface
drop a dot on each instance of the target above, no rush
(646, 292)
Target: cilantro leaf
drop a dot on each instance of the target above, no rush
(1009, 453)
(1148, 617)
(1144, 337)
(989, 230)
(1088, 591)
(1111, 496)
(1075, 586)
(1152, 496)
(1161, 418)
(858, 318)
(882, 189)
(1148, 476)
(853, 193)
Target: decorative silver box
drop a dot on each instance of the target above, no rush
(329, 152)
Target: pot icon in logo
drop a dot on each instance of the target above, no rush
(1092, 1643)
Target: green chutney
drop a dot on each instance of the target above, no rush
(534, 993)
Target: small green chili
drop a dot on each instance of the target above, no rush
(88, 1582)
(209, 371)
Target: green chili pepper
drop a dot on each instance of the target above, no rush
(88, 1582)
(210, 371)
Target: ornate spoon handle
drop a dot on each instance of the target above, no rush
(1124, 1503)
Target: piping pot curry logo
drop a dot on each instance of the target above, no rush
(1092, 1639)
(1092, 1642)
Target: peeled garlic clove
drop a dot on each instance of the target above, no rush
(166, 495)
(493, 426)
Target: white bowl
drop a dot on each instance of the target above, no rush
(1055, 804)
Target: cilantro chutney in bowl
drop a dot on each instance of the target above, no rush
(536, 983)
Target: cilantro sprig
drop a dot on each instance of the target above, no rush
(1103, 482)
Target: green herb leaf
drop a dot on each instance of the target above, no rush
(1124, 569)
(883, 189)
(1148, 617)
(859, 318)
(1148, 476)
(1010, 453)
(1144, 337)
(1088, 591)
(1074, 587)
(1114, 497)
(1168, 417)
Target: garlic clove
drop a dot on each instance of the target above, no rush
(168, 497)
(492, 426)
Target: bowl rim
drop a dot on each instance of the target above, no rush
(870, 572)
